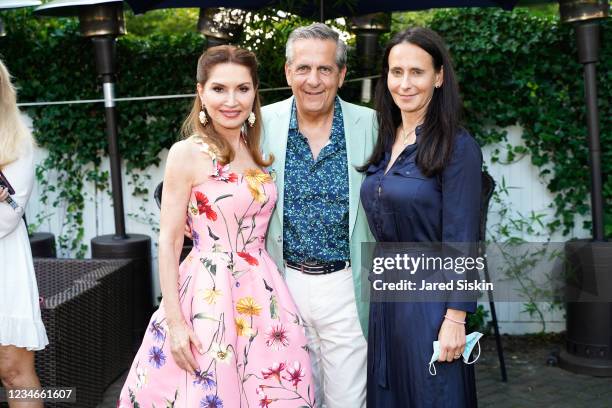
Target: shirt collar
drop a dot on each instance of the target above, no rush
(373, 168)
(418, 133)
(293, 120)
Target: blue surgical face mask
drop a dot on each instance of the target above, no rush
(470, 342)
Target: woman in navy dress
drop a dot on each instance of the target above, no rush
(422, 184)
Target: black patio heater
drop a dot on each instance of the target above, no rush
(102, 21)
(221, 25)
(589, 285)
(368, 29)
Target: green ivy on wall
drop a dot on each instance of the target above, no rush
(513, 68)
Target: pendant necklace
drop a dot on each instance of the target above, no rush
(406, 135)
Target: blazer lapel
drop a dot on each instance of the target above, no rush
(277, 145)
(355, 137)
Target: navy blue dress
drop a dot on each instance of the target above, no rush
(405, 206)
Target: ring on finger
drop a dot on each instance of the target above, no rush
(457, 356)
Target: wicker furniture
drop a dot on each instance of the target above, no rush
(88, 313)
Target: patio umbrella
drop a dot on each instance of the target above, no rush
(319, 8)
(11, 4)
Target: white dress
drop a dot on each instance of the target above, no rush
(20, 322)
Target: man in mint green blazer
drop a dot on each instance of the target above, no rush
(358, 122)
(318, 225)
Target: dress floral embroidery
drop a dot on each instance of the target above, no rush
(238, 304)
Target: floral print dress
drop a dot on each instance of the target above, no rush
(238, 304)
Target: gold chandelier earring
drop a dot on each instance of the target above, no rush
(251, 119)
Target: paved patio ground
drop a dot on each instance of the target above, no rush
(531, 383)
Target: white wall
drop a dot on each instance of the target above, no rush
(528, 193)
(98, 216)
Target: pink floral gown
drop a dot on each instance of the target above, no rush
(231, 292)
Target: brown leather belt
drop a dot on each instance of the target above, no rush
(318, 268)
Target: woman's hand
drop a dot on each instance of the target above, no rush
(452, 336)
(4, 194)
(181, 338)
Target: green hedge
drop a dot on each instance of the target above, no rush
(513, 68)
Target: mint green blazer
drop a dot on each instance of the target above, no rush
(360, 130)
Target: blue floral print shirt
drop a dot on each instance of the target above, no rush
(316, 199)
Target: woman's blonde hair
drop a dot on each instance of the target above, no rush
(14, 135)
(192, 126)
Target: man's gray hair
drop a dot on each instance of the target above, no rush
(317, 31)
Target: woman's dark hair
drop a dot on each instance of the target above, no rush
(443, 112)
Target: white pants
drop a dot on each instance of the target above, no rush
(338, 349)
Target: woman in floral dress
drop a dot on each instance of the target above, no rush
(227, 333)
